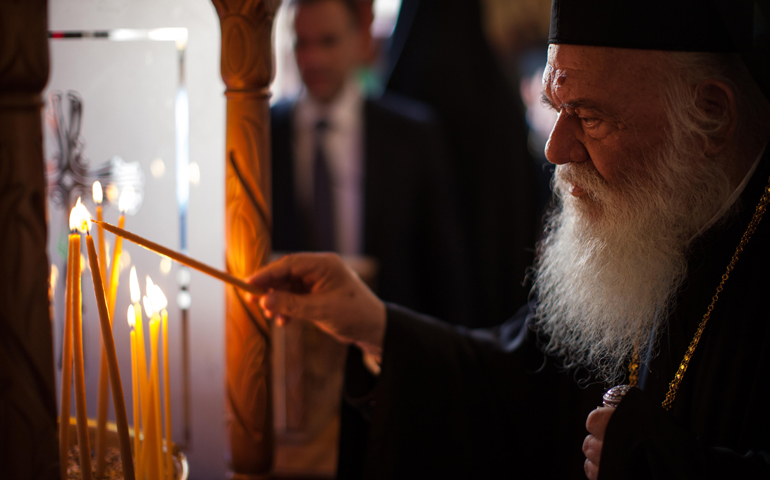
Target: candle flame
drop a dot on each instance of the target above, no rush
(149, 285)
(147, 306)
(127, 199)
(131, 316)
(97, 193)
(158, 299)
(80, 219)
(133, 283)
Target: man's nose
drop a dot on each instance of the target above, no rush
(564, 145)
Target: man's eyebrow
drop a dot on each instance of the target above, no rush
(579, 103)
(545, 101)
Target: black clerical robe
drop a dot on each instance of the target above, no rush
(455, 403)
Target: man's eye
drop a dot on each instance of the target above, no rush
(590, 122)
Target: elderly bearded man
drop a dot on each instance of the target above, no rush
(654, 272)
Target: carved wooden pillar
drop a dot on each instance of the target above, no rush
(247, 71)
(28, 441)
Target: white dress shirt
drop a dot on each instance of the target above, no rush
(343, 144)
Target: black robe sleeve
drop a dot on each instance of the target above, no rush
(456, 403)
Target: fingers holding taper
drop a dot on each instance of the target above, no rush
(319, 287)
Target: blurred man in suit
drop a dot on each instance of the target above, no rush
(363, 176)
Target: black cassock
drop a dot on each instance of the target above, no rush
(455, 403)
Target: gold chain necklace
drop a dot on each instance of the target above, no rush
(612, 397)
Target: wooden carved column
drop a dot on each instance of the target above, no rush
(28, 441)
(247, 71)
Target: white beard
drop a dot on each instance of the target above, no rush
(612, 260)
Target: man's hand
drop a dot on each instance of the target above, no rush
(320, 288)
(596, 424)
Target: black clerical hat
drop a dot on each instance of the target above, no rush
(719, 26)
(680, 25)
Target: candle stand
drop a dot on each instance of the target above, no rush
(181, 467)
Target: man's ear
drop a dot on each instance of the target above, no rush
(716, 102)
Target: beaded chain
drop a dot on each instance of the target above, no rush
(673, 386)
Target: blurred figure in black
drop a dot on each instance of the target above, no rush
(439, 55)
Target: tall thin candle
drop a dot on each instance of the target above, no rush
(135, 393)
(109, 346)
(66, 371)
(155, 389)
(152, 456)
(125, 201)
(167, 397)
(77, 340)
(144, 385)
(184, 259)
(159, 303)
(102, 398)
(151, 290)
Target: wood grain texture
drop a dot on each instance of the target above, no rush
(247, 71)
(28, 438)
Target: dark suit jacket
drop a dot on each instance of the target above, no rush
(410, 224)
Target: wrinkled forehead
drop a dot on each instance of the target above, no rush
(612, 78)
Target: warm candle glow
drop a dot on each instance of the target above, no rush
(149, 286)
(165, 265)
(113, 194)
(131, 317)
(148, 306)
(97, 192)
(134, 286)
(80, 219)
(157, 298)
(54, 278)
(127, 199)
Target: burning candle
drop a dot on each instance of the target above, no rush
(77, 336)
(84, 223)
(135, 393)
(154, 424)
(102, 399)
(96, 191)
(125, 201)
(159, 303)
(104, 381)
(148, 457)
(66, 372)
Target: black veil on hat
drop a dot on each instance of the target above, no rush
(717, 26)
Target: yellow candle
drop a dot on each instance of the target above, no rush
(102, 400)
(126, 198)
(66, 372)
(148, 445)
(159, 304)
(115, 268)
(97, 195)
(167, 398)
(80, 381)
(103, 392)
(84, 223)
(184, 259)
(135, 393)
(112, 364)
(153, 449)
(155, 388)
